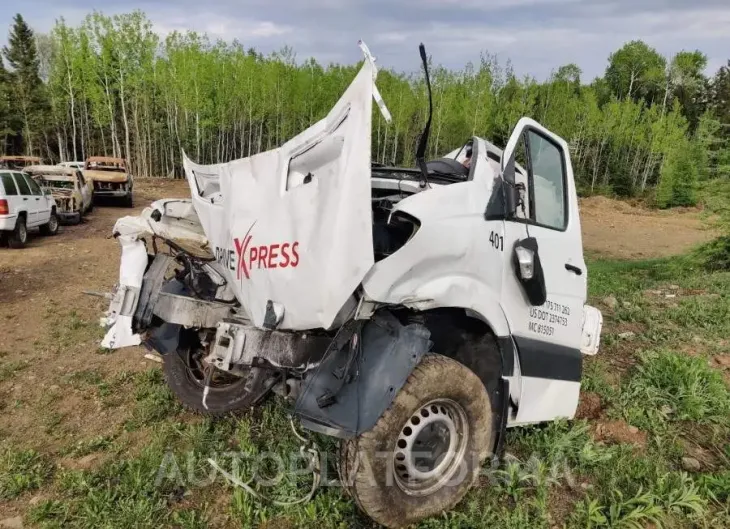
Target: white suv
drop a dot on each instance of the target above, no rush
(23, 205)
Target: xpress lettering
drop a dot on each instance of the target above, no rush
(250, 255)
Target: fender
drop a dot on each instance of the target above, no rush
(366, 366)
(446, 291)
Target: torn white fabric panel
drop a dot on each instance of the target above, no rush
(132, 266)
(293, 225)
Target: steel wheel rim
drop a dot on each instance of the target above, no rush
(430, 447)
(22, 232)
(53, 223)
(195, 371)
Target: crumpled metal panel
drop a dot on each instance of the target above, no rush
(387, 355)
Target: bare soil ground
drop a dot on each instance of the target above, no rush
(49, 332)
(620, 230)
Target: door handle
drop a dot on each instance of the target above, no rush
(25, 198)
(38, 198)
(572, 268)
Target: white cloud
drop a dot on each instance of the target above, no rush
(537, 35)
(269, 29)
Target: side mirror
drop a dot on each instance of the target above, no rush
(529, 270)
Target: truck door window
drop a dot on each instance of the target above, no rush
(22, 184)
(34, 188)
(525, 207)
(8, 184)
(547, 182)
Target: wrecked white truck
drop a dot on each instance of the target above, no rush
(413, 313)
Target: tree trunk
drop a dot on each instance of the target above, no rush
(127, 152)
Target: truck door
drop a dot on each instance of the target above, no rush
(544, 283)
(26, 200)
(41, 202)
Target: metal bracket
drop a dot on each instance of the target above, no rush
(230, 340)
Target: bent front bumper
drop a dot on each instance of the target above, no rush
(113, 193)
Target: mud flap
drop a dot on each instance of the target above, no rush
(165, 339)
(361, 375)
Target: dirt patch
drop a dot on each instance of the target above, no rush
(722, 361)
(618, 229)
(589, 406)
(619, 432)
(51, 333)
(562, 503)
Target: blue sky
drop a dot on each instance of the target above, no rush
(537, 35)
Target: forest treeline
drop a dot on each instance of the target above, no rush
(111, 86)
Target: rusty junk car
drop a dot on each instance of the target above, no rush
(73, 192)
(110, 178)
(18, 162)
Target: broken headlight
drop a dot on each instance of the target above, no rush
(391, 236)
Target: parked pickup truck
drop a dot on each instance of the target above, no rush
(68, 186)
(23, 205)
(110, 178)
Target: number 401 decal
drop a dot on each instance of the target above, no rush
(497, 241)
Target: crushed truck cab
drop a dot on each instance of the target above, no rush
(309, 271)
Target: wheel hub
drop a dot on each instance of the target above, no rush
(430, 447)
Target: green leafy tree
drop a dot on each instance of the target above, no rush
(27, 89)
(636, 71)
(6, 110)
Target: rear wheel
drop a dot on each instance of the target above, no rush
(128, 201)
(185, 373)
(425, 451)
(51, 228)
(19, 236)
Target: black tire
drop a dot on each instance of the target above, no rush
(128, 201)
(51, 228)
(188, 388)
(19, 236)
(368, 464)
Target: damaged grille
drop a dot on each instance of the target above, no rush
(104, 186)
(65, 203)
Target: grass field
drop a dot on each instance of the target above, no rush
(653, 398)
(101, 442)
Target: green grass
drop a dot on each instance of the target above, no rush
(154, 400)
(21, 471)
(555, 475)
(670, 387)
